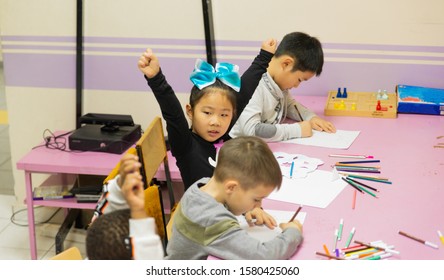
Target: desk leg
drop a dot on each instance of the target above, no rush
(30, 210)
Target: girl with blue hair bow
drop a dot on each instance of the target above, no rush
(218, 96)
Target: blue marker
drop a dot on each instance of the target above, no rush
(291, 169)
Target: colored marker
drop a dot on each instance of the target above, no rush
(428, 243)
(336, 238)
(350, 237)
(295, 214)
(379, 257)
(326, 249)
(441, 237)
(328, 256)
(291, 169)
(341, 225)
(378, 247)
(350, 156)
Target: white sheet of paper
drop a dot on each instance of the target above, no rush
(263, 233)
(317, 189)
(342, 139)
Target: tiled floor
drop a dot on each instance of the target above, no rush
(14, 234)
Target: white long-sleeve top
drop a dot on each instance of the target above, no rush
(265, 112)
(145, 242)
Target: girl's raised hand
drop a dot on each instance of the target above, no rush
(149, 64)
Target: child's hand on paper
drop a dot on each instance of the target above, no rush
(128, 164)
(261, 218)
(306, 130)
(295, 224)
(322, 125)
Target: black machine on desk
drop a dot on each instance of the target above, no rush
(107, 133)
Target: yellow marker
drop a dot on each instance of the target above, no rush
(353, 107)
(441, 237)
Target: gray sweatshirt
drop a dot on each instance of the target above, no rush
(202, 226)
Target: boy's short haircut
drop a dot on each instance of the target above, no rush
(107, 237)
(304, 49)
(248, 160)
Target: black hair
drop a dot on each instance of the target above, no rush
(304, 49)
(107, 237)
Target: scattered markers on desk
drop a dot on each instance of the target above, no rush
(428, 243)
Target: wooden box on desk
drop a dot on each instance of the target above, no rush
(361, 104)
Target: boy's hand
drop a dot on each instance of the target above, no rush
(134, 194)
(269, 45)
(128, 164)
(294, 224)
(322, 125)
(306, 130)
(149, 64)
(262, 218)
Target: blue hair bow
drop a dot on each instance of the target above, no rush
(204, 74)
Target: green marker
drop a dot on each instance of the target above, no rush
(350, 237)
(341, 225)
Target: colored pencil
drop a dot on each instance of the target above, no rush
(361, 188)
(350, 156)
(299, 114)
(358, 170)
(363, 176)
(355, 192)
(428, 243)
(359, 161)
(358, 189)
(295, 214)
(362, 184)
(368, 178)
(329, 256)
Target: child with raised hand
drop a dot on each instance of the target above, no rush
(205, 221)
(298, 58)
(123, 233)
(212, 110)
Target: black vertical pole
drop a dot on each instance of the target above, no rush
(79, 62)
(209, 31)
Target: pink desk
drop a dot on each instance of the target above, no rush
(414, 203)
(43, 160)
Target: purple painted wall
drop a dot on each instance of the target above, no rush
(54, 66)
